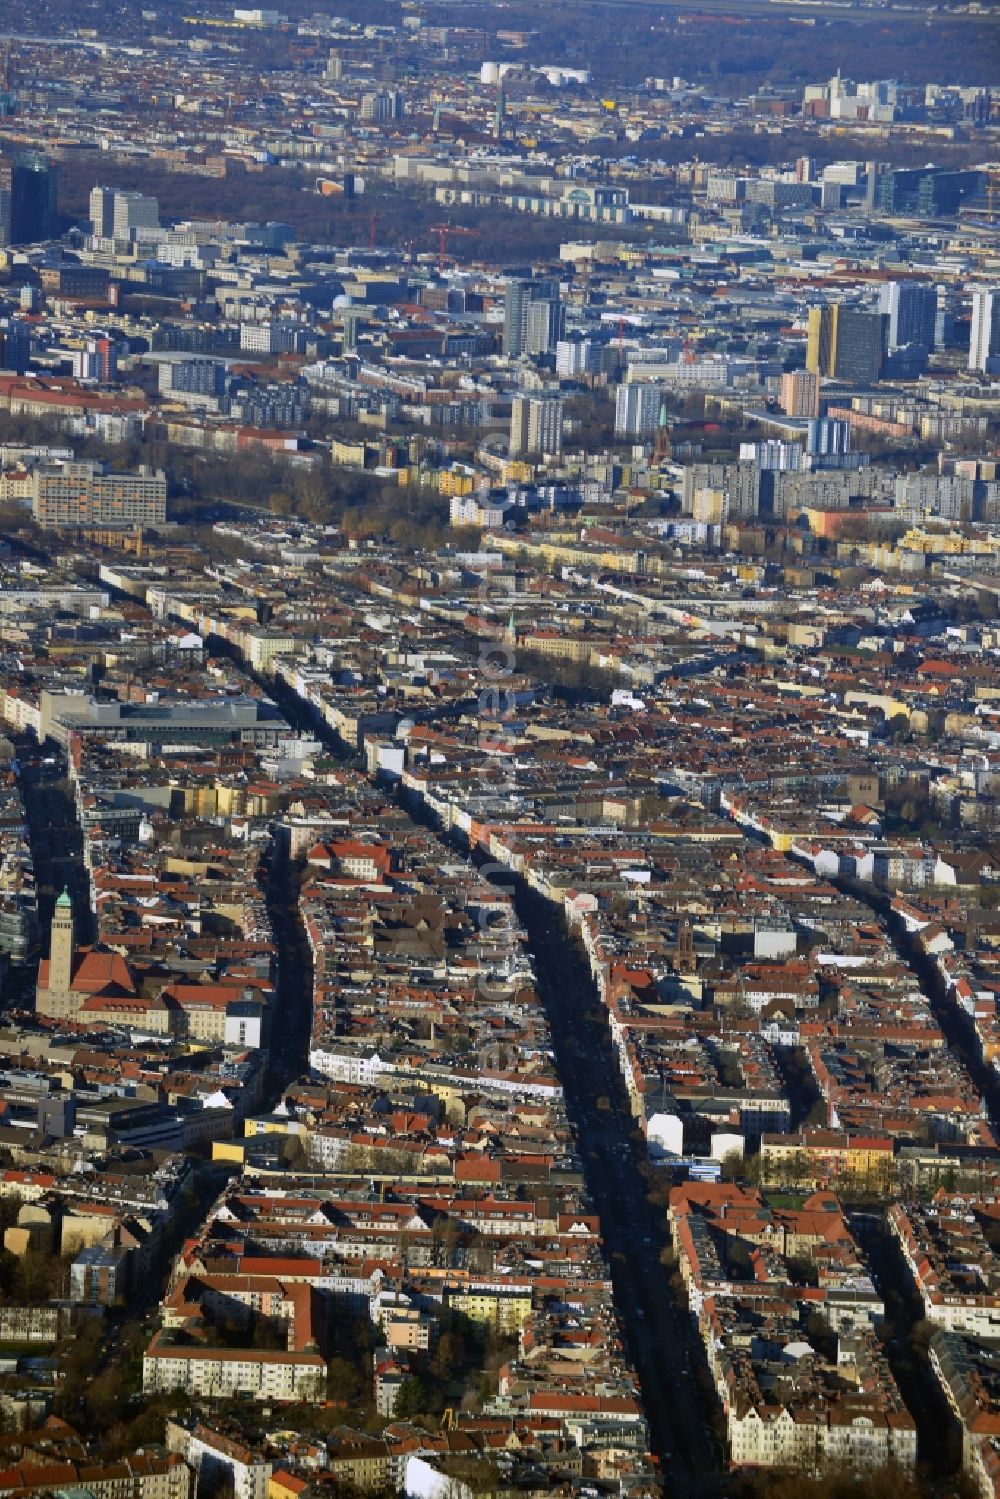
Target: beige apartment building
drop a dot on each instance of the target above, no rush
(75, 496)
(225, 1373)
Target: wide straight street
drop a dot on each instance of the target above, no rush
(656, 1328)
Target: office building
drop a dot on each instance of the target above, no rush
(984, 328)
(102, 212)
(89, 283)
(775, 195)
(16, 346)
(134, 211)
(820, 335)
(800, 393)
(118, 215)
(859, 345)
(927, 192)
(846, 343)
(908, 362)
(536, 425)
(6, 202)
(35, 189)
(28, 188)
(911, 309)
(534, 318)
(71, 496)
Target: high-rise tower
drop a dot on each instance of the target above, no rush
(61, 949)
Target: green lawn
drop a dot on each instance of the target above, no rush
(785, 1199)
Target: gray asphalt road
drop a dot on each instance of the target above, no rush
(658, 1332)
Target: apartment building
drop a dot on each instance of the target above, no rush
(217, 1458)
(141, 1476)
(817, 1158)
(74, 496)
(228, 1373)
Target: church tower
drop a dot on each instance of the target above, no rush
(62, 948)
(685, 959)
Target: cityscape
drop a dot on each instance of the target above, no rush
(500, 750)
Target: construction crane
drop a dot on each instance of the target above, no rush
(443, 231)
(992, 186)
